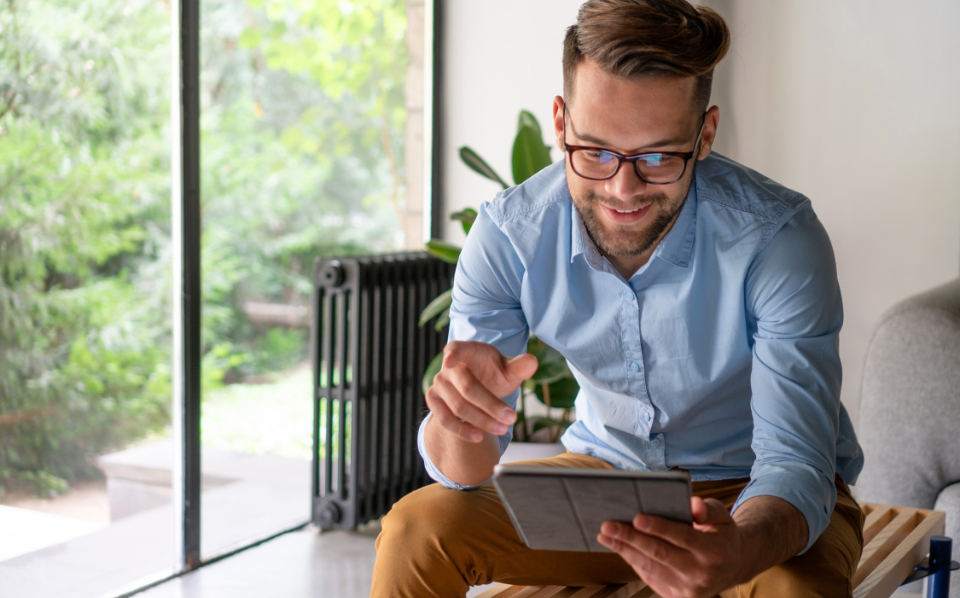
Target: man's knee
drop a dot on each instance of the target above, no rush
(426, 516)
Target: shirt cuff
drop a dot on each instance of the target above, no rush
(432, 470)
(802, 486)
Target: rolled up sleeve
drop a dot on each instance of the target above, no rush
(793, 298)
(486, 308)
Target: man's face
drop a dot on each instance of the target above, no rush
(625, 216)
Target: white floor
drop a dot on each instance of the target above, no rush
(299, 564)
(25, 531)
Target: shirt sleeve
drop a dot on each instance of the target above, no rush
(793, 300)
(486, 308)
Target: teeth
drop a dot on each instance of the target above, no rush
(628, 211)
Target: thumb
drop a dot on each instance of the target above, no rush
(708, 511)
(519, 368)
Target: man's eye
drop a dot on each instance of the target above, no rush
(653, 160)
(601, 156)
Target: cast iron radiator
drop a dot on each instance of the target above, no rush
(369, 356)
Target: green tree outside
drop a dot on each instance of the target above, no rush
(302, 156)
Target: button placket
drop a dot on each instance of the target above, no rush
(633, 363)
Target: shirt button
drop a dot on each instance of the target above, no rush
(655, 442)
(634, 366)
(647, 417)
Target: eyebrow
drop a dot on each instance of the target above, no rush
(602, 143)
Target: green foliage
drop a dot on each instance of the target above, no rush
(443, 250)
(466, 217)
(436, 307)
(279, 349)
(82, 162)
(432, 370)
(530, 154)
(477, 164)
(302, 140)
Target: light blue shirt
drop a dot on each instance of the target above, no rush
(719, 356)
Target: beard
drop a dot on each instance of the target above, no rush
(620, 242)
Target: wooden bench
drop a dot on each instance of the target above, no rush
(895, 540)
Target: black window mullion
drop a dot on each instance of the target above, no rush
(187, 412)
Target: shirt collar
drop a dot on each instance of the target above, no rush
(580, 241)
(675, 247)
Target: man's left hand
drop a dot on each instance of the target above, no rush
(678, 560)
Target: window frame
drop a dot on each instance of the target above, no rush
(186, 231)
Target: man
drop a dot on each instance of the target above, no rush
(697, 304)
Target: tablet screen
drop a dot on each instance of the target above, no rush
(563, 508)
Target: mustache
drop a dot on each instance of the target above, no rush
(637, 201)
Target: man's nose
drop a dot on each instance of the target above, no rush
(626, 184)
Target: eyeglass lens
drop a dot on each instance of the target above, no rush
(653, 168)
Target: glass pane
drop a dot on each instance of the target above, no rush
(85, 306)
(303, 156)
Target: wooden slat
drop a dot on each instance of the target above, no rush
(877, 519)
(549, 592)
(501, 591)
(528, 592)
(588, 592)
(637, 589)
(884, 543)
(891, 572)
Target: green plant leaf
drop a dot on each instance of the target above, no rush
(552, 364)
(436, 306)
(530, 155)
(443, 320)
(527, 119)
(540, 422)
(563, 392)
(467, 217)
(443, 250)
(432, 370)
(479, 166)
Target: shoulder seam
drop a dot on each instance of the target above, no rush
(539, 206)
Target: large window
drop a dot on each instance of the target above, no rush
(311, 136)
(302, 156)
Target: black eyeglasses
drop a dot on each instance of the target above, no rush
(656, 168)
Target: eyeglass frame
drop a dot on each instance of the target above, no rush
(621, 158)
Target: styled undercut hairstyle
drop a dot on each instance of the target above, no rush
(631, 39)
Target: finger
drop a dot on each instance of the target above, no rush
(449, 422)
(653, 547)
(474, 392)
(678, 534)
(519, 368)
(463, 409)
(709, 512)
(488, 365)
(661, 578)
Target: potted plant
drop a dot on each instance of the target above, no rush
(553, 384)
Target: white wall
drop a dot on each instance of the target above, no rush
(854, 103)
(500, 57)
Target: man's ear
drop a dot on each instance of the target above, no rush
(710, 124)
(558, 121)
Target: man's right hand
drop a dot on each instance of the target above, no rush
(465, 395)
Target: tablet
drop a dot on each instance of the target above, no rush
(563, 508)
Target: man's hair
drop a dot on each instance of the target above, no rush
(642, 38)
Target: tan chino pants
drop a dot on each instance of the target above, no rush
(438, 542)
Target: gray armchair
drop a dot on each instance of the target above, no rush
(910, 409)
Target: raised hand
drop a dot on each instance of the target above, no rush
(465, 395)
